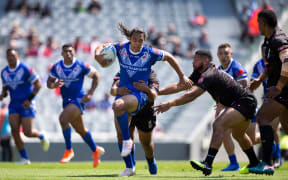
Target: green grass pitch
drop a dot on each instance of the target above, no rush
(174, 170)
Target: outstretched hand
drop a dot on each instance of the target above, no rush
(122, 91)
(59, 83)
(186, 82)
(254, 84)
(141, 86)
(162, 107)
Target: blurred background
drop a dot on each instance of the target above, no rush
(38, 29)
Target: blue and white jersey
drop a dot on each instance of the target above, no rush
(136, 66)
(258, 69)
(72, 76)
(19, 81)
(236, 70)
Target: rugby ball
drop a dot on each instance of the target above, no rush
(109, 52)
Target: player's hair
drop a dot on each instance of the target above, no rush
(68, 45)
(10, 49)
(269, 17)
(224, 45)
(204, 53)
(129, 32)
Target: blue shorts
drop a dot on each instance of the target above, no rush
(17, 108)
(254, 119)
(77, 102)
(142, 100)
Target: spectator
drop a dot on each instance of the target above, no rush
(5, 134)
(244, 21)
(94, 7)
(79, 7)
(152, 35)
(198, 20)
(24, 8)
(172, 34)
(9, 6)
(80, 46)
(177, 51)
(49, 48)
(33, 48)
(46, 11)
(204, 41)
(36, 10)
(104, 104)
(191, 50)
(93, 45)
(31, 33)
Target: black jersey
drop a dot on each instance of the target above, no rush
(272, 47)
(220, 85)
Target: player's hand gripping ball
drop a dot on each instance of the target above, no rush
(109, 54)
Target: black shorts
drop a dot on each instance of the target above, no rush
(282, 98)
(246, 106)
(145, 120)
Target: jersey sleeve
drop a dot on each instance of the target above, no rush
(53, 73)
(32, 76)
(280, 44)
(2, 78)
(239, 72)
(156, 54)
(255, 74)
(86, 69)
(198, 80)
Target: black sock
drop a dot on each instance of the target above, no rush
(253, 160)
(210, 156)
(267, 138)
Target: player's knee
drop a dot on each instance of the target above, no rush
(118, 106)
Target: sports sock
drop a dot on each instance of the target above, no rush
(253, 160)
(211, 156)
(124, 126)
(233, 159)
(278, 151)
(150, 160)
(133, 154)
(41, 137)
(67, 138)
(23, 154)
(267, 138)
(88, 139)
(128, 159)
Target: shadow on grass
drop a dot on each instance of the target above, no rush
(95, 175)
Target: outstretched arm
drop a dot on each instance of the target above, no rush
(184, 99)
(175, 65)
(172, 89)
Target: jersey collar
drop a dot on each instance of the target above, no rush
(69, 66)
(17, 64)
(134, 53)
(228, 65)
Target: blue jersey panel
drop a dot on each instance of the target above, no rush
(258, 69)
(72, 76)
(136, 66)
(19, 81)
(236, 70)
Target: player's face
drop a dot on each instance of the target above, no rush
(261, 26)
(68, 53)
(225, 56)
(137, 40)
(12, 58)
(198, 63)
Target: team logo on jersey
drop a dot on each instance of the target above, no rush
(72, 76)
(138, 65)
(201, 80)
(11, 81)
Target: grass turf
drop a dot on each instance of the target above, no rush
(111, 169)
